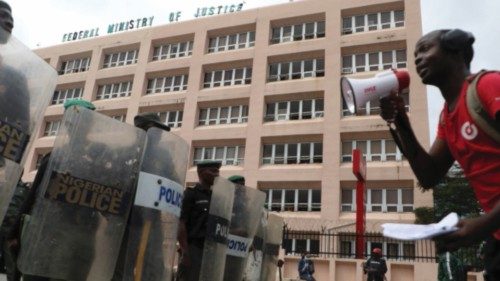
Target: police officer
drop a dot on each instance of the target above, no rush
(193, 220)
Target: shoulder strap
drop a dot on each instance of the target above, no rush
(477, 112)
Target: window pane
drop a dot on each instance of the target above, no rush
(276, 200)
(268, 150)
(292, 153)
(372, 21)
(376, 196)
(305, 150)
(303, 200)
(316, 196)
(360, 23)
(320, 29)
(360, 62)
(294, 110)
(297, 32)
(407, 196)
(279, 154)
(289, 200)
(373, 57)
(391, 196)
(318, 153)
(347, 196)
(386, 20)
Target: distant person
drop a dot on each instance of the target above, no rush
(306, 268)
(465, 134)
(375, 266)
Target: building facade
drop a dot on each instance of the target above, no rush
(259, 91)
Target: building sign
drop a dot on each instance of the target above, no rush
(133, 24)
(217, 10)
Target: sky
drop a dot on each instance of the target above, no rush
(42, 23)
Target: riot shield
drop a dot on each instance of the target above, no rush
(247, 210)
(26, 85)
(215, 247)
(272, 242)
(84, 199)
(254, 260)
(154, 220)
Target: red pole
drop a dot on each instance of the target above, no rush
(359, 170)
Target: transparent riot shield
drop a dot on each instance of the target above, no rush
(256, 254)
(152, 237)
(215, 247)
(272, 242)
(83, 202)
(26, 85)
(247, 211)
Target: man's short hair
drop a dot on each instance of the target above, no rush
(4, 5)
(457, 40)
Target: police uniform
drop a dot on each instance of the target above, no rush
(194, 212)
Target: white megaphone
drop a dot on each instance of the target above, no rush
(357, 92)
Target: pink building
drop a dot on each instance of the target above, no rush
(259, 90)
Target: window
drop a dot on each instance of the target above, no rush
(227, 155)
(293, 153)
(293, 200)
(51, 128)
(229, 77)
(120, 59)
(399, 18)
(167, 84)
(294, 110)
(231, 42)
(61, 96)
(115, 90)
(387, 200)
(173, 50)
(391, 249)
(75, 65)
(223, 115)
(299, 242)
(120, 118)
(173, 119)
(372, 107)
(373, 150)
(298, 32)
(372, 61)
(296, 70)
(374, 21)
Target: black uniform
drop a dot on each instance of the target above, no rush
(194, 212)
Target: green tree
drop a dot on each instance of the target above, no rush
(454, 194)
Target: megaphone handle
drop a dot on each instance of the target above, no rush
(398, 139)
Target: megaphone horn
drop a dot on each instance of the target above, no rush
(357, 92)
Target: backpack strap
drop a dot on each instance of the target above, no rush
(477, 112)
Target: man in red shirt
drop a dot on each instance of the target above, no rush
(442, 59)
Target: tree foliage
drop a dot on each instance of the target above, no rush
(453, 194)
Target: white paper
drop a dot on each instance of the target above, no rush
(403, 231)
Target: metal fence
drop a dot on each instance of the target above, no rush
(342, 245)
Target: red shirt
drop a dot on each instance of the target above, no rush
(475, 151)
